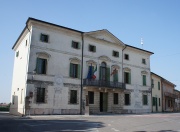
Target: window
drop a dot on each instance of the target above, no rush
(115, 98)
(26, 42)
(115, 54)
(40, 98)
(127, 77)
(73, 97)
(144, 61)
(17, 53)
(126, 56)
(144, 80)
(44, 38)
(41, 66)
(91, 97)
(158, 85)
(127, 99)
(75, 45)
(145, 100)
(74, 70)
(154, 101)
(92, 48)
(152, 83)
(159, 102)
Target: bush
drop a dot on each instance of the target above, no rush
(4, 108)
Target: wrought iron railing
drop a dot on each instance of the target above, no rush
(102, 83)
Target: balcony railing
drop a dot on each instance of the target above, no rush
(101, 83)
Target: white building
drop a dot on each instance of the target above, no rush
(51, 67)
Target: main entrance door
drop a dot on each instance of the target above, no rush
(103, 102)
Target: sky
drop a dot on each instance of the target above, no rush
(156, 21)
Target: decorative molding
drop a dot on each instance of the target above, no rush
(127, 69)
(70, 85)
(104, 58)
(115, 67)
(40, 83)
(144, 72)
(75, 59)
(91, 62)
(43, 55)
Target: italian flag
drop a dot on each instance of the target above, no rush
(94, 74)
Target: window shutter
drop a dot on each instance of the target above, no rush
(107, 74)
(100, 76)
(79, 70)
(94, 48)
(38, 65)
(125, 77)
(115, 77)
(144, 80)
(117, 54)
(79, 45)
(158, 85)
(129, 78)
(72, 44)
(70, 70)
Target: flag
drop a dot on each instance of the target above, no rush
(114, 72)
(89, 76)
(94, 73)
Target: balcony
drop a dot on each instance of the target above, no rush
(101, 83)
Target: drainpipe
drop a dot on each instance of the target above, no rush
(122, 65)
(81, 94)
(162, 95)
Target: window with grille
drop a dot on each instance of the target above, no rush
(73, 97)
(126, 56)
(91, 97)
(44, 38)
(40, 98)
(115, 98)
(127, 99)
(75, 45)
(115, 53)
(92, 48)
(145, 100)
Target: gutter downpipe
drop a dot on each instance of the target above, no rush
(122, 66)
(27, 64)
(81, 94)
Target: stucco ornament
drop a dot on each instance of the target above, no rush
(58, 79)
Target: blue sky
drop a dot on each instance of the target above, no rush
(156, 21)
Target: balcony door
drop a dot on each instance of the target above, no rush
(103, 71)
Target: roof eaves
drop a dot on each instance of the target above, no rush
(139, 49)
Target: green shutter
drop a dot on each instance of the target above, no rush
(70, 70)
(79, 45)
(94, 48)
(117, 54)
(158, 85)
(115, 77)
(100, 77)
(72, 44)
(107, 74)
(37, 65)
(79, 71)
(129, 78)
(144, 80)
(125, 77)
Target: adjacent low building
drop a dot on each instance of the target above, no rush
(58, 70)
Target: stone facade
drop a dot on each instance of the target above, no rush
(58, 56)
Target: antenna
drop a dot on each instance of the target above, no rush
(142, 42)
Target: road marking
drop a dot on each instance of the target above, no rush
(115, 129)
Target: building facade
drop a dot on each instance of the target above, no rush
(156, 93)
(168, 96)
(58, 70)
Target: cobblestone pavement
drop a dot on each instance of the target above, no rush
(94, 123)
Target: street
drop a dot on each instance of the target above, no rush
(94, 123)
